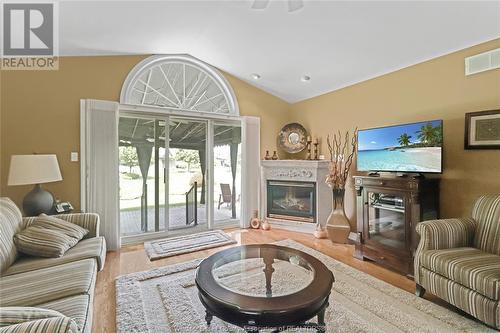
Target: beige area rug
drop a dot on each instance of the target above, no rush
(166, 300)
(167, 247)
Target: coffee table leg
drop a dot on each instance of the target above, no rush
(268, 271)
(321, 319)
(208, 317)
(321, 316)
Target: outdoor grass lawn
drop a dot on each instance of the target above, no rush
(131, 189)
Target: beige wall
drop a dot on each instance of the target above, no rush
(40, 113)
(435, 89)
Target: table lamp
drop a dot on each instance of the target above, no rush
(35, 169)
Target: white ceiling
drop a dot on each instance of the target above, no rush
(335, 43)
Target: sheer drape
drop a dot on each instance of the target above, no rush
(250, 168)
(99, 163)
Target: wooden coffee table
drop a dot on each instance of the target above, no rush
(264, 286)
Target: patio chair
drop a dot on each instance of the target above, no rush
(226, 196)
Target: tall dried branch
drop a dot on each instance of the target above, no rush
(339, 147)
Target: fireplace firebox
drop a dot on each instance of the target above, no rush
(291, 200)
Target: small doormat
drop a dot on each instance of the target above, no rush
(173, 246)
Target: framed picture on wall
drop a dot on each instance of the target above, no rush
(482, 130)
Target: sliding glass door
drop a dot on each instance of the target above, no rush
(142, 156)
(226, 172)
(187, 173)
(178, 173)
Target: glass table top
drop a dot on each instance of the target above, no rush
(263, 272)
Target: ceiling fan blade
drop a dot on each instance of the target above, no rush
(260, 4)
(294, 5)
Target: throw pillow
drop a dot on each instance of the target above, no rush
(48, 325)
(11, 315)
(67, 228)
(42, 242)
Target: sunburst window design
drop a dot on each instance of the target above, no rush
(179, 82)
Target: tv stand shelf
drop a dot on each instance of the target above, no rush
(388, 210)
(387, 207)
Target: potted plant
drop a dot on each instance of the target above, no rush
(342, 150)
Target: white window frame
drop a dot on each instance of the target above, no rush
(233, 116)
(214, 74)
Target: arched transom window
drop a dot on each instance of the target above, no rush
(179, 82)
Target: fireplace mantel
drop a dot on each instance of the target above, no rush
(298, 171)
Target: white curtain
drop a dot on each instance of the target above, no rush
(250, 168)
(99, 166)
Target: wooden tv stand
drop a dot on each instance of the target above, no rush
(388, 209)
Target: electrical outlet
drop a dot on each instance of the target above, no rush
(74, 156)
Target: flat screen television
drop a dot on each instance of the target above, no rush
(415, 147)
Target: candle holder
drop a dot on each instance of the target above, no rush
(309, 148)
(316, 151)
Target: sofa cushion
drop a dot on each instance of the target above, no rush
(470, 267)
(42, 242)
(67, 228)
(78, 308)
(470, 301)
(11, 315)
(85, 249)
(47, 284)
(10, 224)
(48, 325)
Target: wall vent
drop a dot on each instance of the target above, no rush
(482, 62)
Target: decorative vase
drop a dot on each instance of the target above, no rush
(338, 226)
(267, 157)
(275, 156)
(254, 221)
(320, 232)
(266, 225)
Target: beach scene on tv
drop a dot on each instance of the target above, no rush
(404, 148)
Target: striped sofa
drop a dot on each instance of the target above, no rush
(458, 260)
(64, 284)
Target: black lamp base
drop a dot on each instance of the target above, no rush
(38, 201)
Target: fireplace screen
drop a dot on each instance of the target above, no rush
(291, 200)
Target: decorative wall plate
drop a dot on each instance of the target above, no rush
(292, 138)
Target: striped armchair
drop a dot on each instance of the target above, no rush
(458, 260)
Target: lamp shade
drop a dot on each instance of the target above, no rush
(33, 169)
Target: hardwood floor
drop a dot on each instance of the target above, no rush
(133, 259)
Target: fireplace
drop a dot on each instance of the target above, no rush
(294, 194)
(291, 200)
